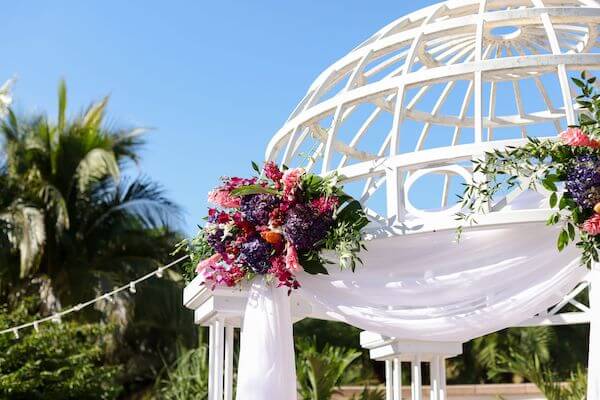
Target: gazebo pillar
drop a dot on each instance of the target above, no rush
(222, 310)
(593, 391)
(396, 351)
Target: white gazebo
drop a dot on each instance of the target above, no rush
(401, 116)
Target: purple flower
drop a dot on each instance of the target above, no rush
(304, 226)
(256, 254)
(583, 181)
(215, 240)
(257, 207)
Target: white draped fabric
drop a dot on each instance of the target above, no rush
(593, 390)
(420, 287)
(266, 367)
(428, 287)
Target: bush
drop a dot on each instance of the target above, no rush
(320, 372)
(61, 361)
(187, 377)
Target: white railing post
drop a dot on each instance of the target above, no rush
(228, 390)
(211, 360)
(218, 364)
(434, 378)
(397, 378)
(442, 378)
(388, 379)
(593, 391)
(416, 379)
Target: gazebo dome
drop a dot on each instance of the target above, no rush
(414, 103)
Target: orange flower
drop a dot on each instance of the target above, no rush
(271, 237)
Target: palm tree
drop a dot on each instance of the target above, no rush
(79, 227)
(96, 226)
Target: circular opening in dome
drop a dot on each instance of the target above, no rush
(505, 32)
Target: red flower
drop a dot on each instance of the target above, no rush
(223, 198)
(575, 137)
(592, 225)
(273, 172)
(325, 205)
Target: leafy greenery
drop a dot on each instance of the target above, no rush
(526, 352)
(187, 377)
(540, 163)
(61, 361)
(320, 372)
(73, 224)
(370, 394)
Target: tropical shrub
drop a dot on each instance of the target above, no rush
(61, 361)
(185, 378)
(526, 353)
(320, 371)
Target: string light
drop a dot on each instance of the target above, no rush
(57, 317)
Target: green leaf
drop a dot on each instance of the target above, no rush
(578, 82)
(255, 167)
(553, 200)
(312, 263)
(563, 240)
(253, 189)
(548, 183)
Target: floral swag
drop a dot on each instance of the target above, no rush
(276, 225)
(569, 168)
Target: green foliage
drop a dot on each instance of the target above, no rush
(526, 353)
(61, 361)
(345, 236)
(187, 377)
(320, 371)
(370, 394)
(540, 163)
(198, 249)
(70, 217)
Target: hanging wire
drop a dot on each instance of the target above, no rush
(57, 317)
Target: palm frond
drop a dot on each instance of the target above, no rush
(96, 165)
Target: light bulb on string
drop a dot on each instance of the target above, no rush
(36, 326)
(16, 332)
(159, 273)
(132, 287)
(56, 319)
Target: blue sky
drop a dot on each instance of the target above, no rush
(214, 79)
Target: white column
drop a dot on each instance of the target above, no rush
(434, 378)
(593, 390)
(442, 378)
(228, 391)
(397, 379)
(416, 380)
(218, 363)
(211, 360)
(388, 380)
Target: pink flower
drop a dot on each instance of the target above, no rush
(291, 259)
(291, 180)
(210, 262)
(592, 225)
(272, 171)
(223, 198)
(325, 205)
(575, 137)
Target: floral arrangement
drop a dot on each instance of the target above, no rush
(276, 224)
(569, 168)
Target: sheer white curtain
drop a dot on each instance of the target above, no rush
(428, 287)
(420, 287)
(266, 367)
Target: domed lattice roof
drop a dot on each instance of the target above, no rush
(434, 89)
